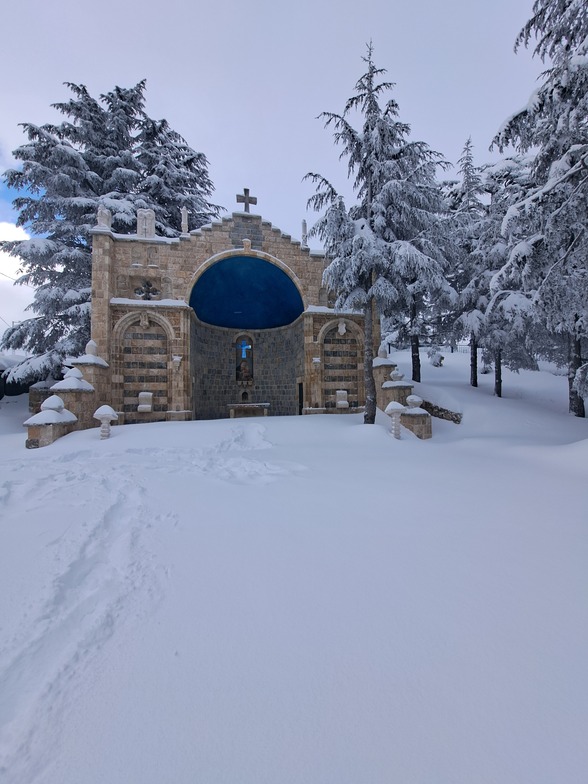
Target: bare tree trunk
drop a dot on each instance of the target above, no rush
(576, 401)
(473, 360)
(414, 346)
(369, 416)
(498, 373)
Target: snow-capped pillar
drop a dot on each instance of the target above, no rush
(96, 372)
(384, 369)
(52, 422)
(416, 418)
(79, 396)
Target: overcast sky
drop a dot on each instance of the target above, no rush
(244, 80)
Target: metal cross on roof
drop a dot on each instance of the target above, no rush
(246, 199)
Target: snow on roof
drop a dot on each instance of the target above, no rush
(150, 303)
(334, 311)
(134, 237)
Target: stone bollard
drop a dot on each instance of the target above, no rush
(52, 422)
(416, 418)
(105, 415)
(394, 410)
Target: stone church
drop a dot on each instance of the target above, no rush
(227, 320)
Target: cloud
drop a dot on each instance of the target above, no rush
(13, 299)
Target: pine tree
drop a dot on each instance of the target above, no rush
(173, 176)
(546, 229)
(109, 153)
(470, 275)
(505, 311)
(386, 250)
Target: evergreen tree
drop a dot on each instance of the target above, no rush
(546, 229)
(470, 273)
(472, 188)
(505, 310)
(173, 176)
(109, 153)
(386, 250)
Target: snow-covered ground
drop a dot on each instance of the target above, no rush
(300, 600)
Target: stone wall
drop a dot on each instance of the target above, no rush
(277, 361)
(149, 280)
(123, 263)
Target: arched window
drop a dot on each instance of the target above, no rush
(244, 360)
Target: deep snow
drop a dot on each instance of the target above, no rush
(300, 600)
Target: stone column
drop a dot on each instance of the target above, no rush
(96, 372)
(102, 272)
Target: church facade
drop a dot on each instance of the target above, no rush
(228, 320)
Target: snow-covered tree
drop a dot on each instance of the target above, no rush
(546, 229)
(468, 274)
(505, 312)
(106, 152)
(386, 250)
(173, 176)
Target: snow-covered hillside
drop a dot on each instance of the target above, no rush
(300, 600)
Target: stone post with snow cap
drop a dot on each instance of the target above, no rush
(52, 422)
(39, 392)
(416, 418)
(79, 396)
(96, 372)
(389, 382)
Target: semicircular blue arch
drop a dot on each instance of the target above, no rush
(245, 292)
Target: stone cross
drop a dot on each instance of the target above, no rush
(147, 290)
(246, 199)
(184, 212)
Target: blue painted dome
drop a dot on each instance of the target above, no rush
(245, 292)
